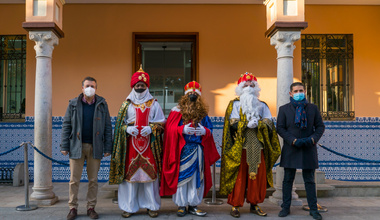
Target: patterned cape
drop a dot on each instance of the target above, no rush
(117, 166)
(232, 149)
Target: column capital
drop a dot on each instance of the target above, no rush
(45, 42)
(284, 42)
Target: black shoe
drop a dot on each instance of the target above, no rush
(316, 215)
(284, 212)
(195, 211)
(255, 209)
(181, 211)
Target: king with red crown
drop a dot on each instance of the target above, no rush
(189, 151)
(250, 148)
(137, 150)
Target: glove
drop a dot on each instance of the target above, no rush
(132, 130)
(299, 142)
(308, 142)
(200, 131)
(188, 130)
(253, 123)
(145, 131)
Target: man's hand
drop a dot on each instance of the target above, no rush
(299, 142)
(304, 142)
(106, 154)
(309, 142)
(64, 152)
(253, 123)
(132, 130)
(147, 130)
(188, 130)
(200, 131)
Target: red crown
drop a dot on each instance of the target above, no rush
(193, 87)
(246, 77)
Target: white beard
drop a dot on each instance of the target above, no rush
(249, 103)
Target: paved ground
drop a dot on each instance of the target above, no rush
(351, 208)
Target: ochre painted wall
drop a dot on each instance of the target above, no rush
(98, 42)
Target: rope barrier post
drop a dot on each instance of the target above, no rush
(213, 200)
(26, 207)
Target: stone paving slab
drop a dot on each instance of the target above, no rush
(351, 208)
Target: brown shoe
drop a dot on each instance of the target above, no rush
(72, 214)
(235, 212)
(152, 214)
(126, 214)
(255, 209)
(92, 214)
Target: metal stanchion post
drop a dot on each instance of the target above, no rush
(26, 207)
(213, 200)
(320, 208)
(116, 199)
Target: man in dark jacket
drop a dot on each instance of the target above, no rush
(86, 135)
(300, 124)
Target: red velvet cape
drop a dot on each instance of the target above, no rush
(173, 144)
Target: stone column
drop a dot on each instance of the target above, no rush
(284, 44)
(43, 188)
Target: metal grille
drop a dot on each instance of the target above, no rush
(12, 76)
(6, 175)
(327, 70)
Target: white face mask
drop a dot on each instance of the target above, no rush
(89, 91)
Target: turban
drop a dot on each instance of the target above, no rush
(140, 76)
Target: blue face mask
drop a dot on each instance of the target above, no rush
(299, 96)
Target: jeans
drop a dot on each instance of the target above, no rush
(287, 185)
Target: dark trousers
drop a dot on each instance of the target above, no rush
(287, 185)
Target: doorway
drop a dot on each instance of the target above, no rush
(171, 62)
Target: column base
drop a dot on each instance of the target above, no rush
(44, 202)
(42, 193)
(278, 201)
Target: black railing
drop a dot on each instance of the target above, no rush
(338, 115)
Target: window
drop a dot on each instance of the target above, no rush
(327, 72)
(12, 76)
(171, 61)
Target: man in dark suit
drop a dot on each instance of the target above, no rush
(300, 124)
